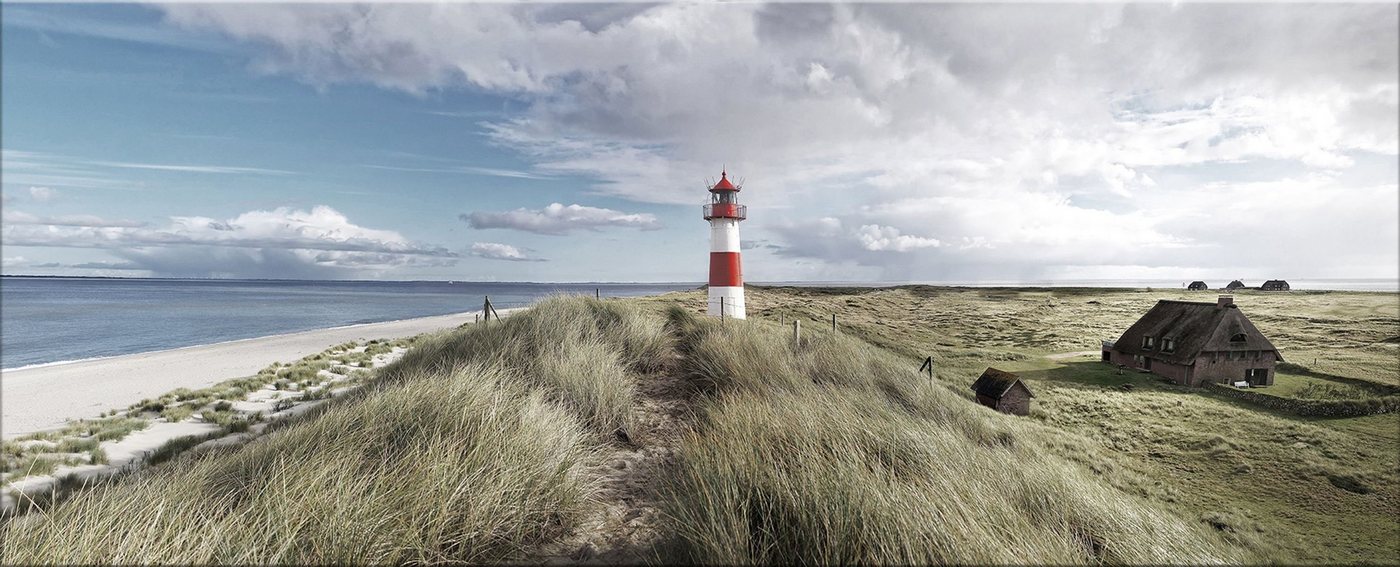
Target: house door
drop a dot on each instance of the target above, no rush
(1257, 376)
(1147, 363)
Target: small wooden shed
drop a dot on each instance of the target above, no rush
(1198, 285)
(1003, 391)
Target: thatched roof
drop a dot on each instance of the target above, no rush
(1198, 284)
(994, 383)
(1196, 328)
(1237, 284)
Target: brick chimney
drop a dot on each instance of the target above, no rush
(1225, 301)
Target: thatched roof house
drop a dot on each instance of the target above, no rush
(1274, 285)
(1234, 285)
(1003, 391)
(1198, 285)
(1193, 342)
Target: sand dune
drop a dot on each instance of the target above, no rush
(35, 399)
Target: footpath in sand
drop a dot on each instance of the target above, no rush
(625, 529)
(44, 397)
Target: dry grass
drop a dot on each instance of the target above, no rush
(1294, 489)
(475, 448)
(831, 451)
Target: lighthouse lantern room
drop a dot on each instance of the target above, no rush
(726, 275)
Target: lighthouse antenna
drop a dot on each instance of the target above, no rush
(740, 184)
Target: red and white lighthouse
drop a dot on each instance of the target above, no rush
(726, 275)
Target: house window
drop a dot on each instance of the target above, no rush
(1147, 342)
(1237, 338)
(1168, 345)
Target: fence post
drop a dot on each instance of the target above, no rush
(833, 322)
(796, 331)
(721, 309)
(597, 293)
(486, 309)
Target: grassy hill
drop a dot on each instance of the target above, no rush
(582, 430)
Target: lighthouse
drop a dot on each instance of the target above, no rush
(726, 276)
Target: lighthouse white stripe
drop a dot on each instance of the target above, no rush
(733, 301)
(724, 235)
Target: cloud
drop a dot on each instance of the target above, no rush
(216, 169)
(1020, 139)
(498, 251)
(97, 266)
(558, 219)
(468, 170)
(23, 218)
(282, 242)
(12, 261)
(874, 237)
(42, 194)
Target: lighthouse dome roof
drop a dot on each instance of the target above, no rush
(724, 184)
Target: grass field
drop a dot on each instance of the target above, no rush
(1295, 489)
(634, 430)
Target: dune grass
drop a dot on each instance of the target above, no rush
(473, 448)
(832, 451)
(1296, 489)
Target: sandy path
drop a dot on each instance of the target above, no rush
(35, 399)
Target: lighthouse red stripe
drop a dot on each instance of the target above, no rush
(725, 270)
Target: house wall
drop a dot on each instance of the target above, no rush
(1015, 401)
(1216, 367)
(1181, 374)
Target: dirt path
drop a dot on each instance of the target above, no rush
(1064, 355)
(626, 529)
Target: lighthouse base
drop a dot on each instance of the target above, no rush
(732, 302)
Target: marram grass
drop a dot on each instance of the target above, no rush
(482, 444)
(830, 451)
(473, 448)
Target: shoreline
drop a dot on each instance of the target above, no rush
(42, 397)
(230, 341)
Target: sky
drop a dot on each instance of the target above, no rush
(574, 142)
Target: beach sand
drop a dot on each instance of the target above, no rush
(44, 397)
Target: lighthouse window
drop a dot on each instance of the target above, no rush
(724, 197)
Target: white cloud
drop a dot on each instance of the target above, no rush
(20, 217)
(558, 219)
(42, 194)
(1016, 138)
(874, 237)
(282, 242)
(498, 251)
(218, 169)
(12, 261)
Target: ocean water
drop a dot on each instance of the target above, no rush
(45, 320)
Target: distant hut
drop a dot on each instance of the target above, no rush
(1274, 285)
(1198, 285)
(1193, 343)
(1235, 285)
(1003, 391)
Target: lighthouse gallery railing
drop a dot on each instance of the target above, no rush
(726, 211)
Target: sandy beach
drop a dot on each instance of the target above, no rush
(45, 397)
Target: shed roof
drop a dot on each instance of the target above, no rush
(1195, 327)
(995, 383)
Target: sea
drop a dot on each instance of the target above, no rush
(47, 320)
